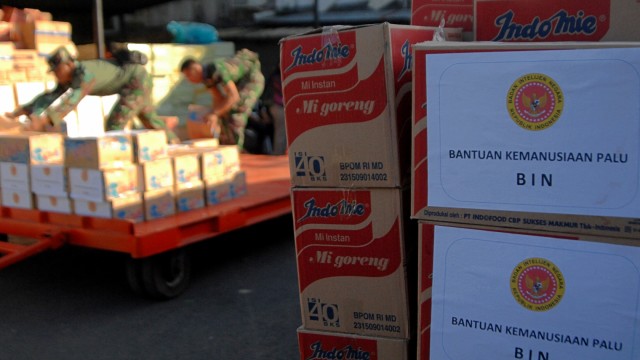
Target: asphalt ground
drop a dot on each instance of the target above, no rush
(75, 303)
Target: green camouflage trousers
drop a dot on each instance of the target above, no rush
(135, 100)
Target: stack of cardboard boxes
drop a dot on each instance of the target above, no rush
(515, 205)
(347, 92)
(132, 175)
(23, 154)
(31, 36)
(27, 37)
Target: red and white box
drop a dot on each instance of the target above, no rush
(455, 13)
(566, 20)
(320, 345)
(351, 261)
(347, 104)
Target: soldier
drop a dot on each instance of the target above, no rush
(76, 79)
(236, 85)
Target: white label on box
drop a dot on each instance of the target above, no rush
(538, 131)
(14, 176)
(510, 296)
(49, 180)
(17, 199)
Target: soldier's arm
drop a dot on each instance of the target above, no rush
(225, 96)
(69, 100)
(39, 104)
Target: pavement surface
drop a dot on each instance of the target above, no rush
(75, 303)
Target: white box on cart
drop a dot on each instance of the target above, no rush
(351, 260)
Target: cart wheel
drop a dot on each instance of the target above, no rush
(134, 276)
(165, 276)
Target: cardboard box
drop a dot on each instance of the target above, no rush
(331, 345)
(156, 174)
(454, 13)
(190, 198)
(58, 204)
(219, 164)
(198, 143)
(347, 104)
(186, 168)
(25, 59)
(105, 184)
(198, 127)
(352, 239)
(499, 295)
(226, 190)
(469, 210)
(425, 284)
(50, 180)
(567, 20)
(6, 56)
(159, 204)
(31, 148)
(128, 208)
(98, 152)
(35, 33)
(17, 199)
(148, 145)
(14, 176)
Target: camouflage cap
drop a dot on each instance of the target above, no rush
(61, 55)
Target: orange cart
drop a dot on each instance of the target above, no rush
(159, 266)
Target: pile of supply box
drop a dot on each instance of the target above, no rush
(506, 224)
(27, 37)
(347, 104)
(132, 175)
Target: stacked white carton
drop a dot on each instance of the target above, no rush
(527, 202)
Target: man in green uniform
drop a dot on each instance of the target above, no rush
(76, 79)
(236, 85)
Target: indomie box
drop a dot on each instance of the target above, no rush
(454, 13)
(332, 345)
(347, 104)
(566, 20)
(352, 239)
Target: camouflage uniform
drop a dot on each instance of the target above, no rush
(245, 71)
(101, 77)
